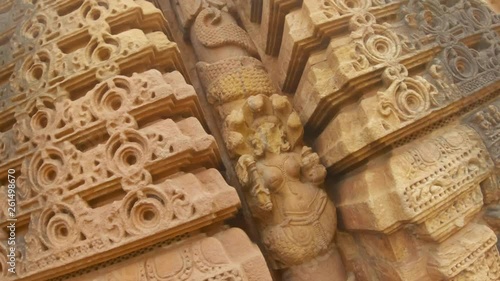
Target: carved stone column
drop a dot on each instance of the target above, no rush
(283, 179)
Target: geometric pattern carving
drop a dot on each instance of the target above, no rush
(486, 121)
(94, 196)
(469, 255)
(110, 148)
(316, 21)
(416, 183)
(228, 255)
(405, 103)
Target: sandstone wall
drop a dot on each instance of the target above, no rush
(400, 101)
(109, 149)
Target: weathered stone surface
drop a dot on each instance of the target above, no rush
(469, 255)
(350, 67)
(92, 196)
(228, 255)
(486, 121)
(109, 147)
(405, 104)
(282, 178)
(317, 21)
(416, 183)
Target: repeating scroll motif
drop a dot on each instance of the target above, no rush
(92, 194)
(228, 255)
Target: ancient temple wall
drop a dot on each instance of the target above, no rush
(399, 100)
(104, 151)
(349, 139)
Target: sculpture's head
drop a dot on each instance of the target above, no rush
(263, 125)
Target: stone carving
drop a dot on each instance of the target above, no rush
(229, 255)
(110, 155)
(470, 255)
(62, 233)
(282, 178)
(407, 98)
(426, 177)
(453, 217)
(305, 30)
(137, 160)
(215, 29)
(350, 66)
(486, 121)
(399, 86)
(458, 73)
(76, 22)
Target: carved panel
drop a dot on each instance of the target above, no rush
(486, 121)
(228, 255)
(281, 178)
(419, 180)
(104, 171)
(405, 103)
(471, 254)
(354, 63)
(306, 29)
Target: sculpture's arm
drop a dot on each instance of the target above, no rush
(311, 169)
(250, 178)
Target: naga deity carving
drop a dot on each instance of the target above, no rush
(282, 178)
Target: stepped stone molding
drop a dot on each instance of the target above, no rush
(349, 66)
(318, 20)
(420, 181)
(64, 117)
(404, 104)
(426, 196)
(273, 22)
(228, 255)
(54, 62)
(109, 147)
(451, 68)
(470, 255)
(282, 178)
(256, 11)
(140, 164)
(67, 25)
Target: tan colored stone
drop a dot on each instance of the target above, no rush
(136, 176)
(317, 21)
(486, 121)
(229, 255)
(495, 6)
(282, 178)
(109, 161)
(350, 67)
(471, 254)
(403, 105)
(417, 182)
(70, 25)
